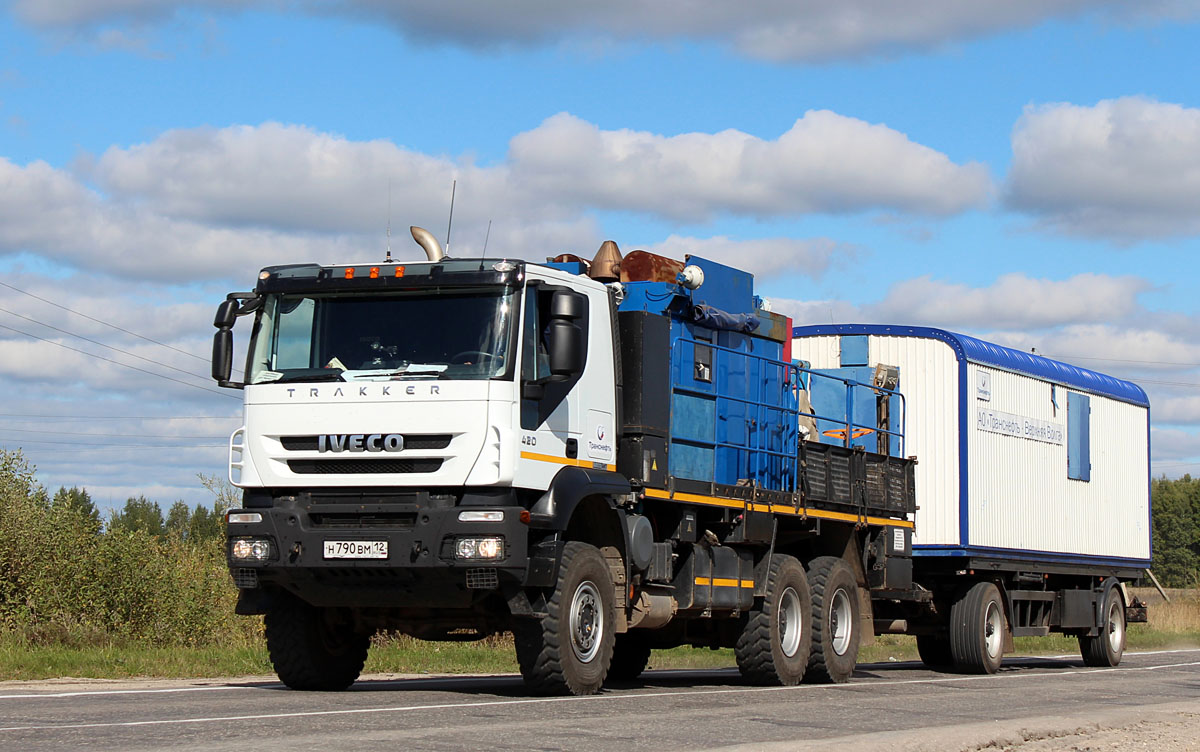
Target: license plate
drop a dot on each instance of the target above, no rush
(356, 549)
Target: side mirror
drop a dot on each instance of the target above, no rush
(227, 314)
(222, 354)
(565, 348)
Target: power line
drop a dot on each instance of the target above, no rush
(111, 435)
(121, 417)
(115, 446)
(105, 323)
(96, 342)
(1120, 360)
(116, 362)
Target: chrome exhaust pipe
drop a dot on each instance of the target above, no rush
(426, 240)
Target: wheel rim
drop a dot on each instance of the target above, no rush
(841, 622)
(791, 624)
(586, 622)
(1116, 628)
(993, 630)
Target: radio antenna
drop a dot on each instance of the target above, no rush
(453, 187)
(485, 238)
(388, 260)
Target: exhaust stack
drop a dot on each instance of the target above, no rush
(426, 240)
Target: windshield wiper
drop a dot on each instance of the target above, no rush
(308, 374)
(412, 370)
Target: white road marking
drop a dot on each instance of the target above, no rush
(85, 693)
(588, 698)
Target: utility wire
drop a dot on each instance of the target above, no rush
(117, 362)
(96, 342)
(105, 323)
(120, 417)
(114, 446)
(111, 435)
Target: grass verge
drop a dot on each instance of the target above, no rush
(1172, 625)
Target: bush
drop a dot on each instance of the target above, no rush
(64, 580)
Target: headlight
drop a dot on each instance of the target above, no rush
(491, 547)
(250, 549)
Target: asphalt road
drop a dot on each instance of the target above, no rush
(890, 705)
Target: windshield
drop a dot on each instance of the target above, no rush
(423, 334)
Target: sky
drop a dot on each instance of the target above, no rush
(1026, 171)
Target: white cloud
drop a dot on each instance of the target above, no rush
(1014, 301)
(1125, 169)
(765, 257)
(801, 30)
(825, 162)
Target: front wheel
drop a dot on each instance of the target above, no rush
(835, 620)
(569, 650)
(977, 630)
(1106, 648)
(631, 655)
(774, 645)
(310, 648)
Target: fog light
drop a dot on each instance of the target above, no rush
(250, 549)
(480, 548)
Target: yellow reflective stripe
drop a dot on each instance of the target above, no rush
(724, 582)
(656, 493)
(563, 460)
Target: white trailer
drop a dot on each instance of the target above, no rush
(1031, 471)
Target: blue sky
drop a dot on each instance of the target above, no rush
(1024, 171)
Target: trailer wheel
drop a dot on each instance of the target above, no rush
(774, 645)
(309, 649)
(1106, 648)
(631, 655)
(835, 620)
(569, 650)
(935, 651)
(977, 630)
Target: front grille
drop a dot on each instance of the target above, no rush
(391, 520)
(365, 466)
(411, 441)
(244, 578)
(482, 579)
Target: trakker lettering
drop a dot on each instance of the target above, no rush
(366, 391)
(360, 442)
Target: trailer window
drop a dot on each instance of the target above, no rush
(1079, 439)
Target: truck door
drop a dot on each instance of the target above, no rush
(550, 419)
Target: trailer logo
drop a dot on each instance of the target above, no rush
(360, 442)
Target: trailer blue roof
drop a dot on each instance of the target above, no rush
(975, 350)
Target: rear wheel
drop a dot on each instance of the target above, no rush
(631, 655)
(835, 620)
(311, 648)
(977, 630)
(935, 651)
(1106, 648)
(569, 650)
(774, 644)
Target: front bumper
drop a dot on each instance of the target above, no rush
(421, 531)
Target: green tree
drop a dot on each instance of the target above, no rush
(179, 518)
(78, 502)
(205, 525)
(1176, 517)
(139, 515)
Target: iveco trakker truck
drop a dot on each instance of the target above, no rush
(604, 458)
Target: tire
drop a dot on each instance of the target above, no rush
(935, 651)
(774, 645)
(309, 650)
(1106, 648)
(569, 651)
(835, 624)
(631, 655)
(977, 630)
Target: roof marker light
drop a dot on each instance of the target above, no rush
(374, 272)
(399, 271)
(349, 272)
